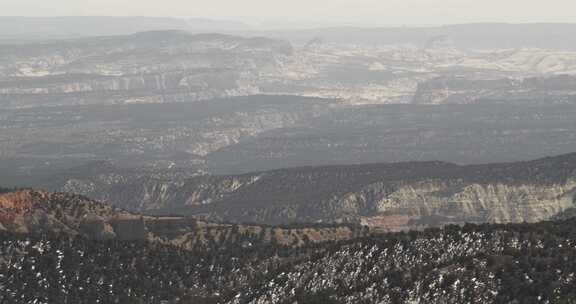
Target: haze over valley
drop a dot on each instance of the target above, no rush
(228, 160)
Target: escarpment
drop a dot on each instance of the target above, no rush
(390, 197)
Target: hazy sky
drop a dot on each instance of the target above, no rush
(383, 12)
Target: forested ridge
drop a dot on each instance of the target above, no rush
(512, 263)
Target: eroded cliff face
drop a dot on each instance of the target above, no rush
(388, 197)
(431, 203)
(151, 67)
(21, 200)
(415, 205)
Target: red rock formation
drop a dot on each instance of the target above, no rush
(17, 201)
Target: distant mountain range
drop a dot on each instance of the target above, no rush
(43, 28)
(463, 36)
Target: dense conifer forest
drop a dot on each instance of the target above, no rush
(520, 263)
